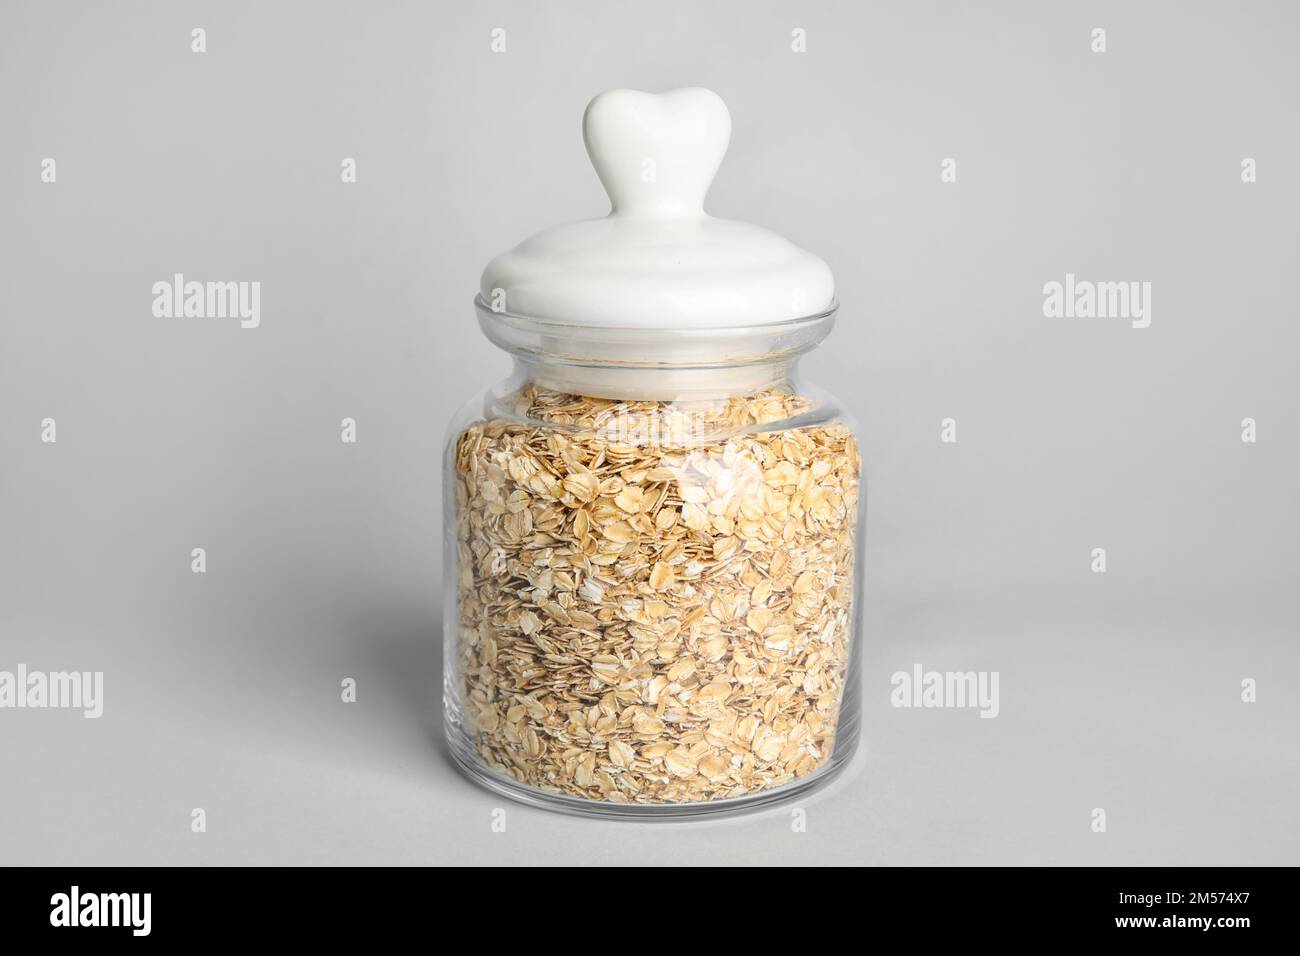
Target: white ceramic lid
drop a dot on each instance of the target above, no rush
(658, 260)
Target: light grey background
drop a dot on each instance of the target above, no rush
(1118, 691)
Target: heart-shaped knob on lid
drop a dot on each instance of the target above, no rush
(657, 155)
(658, 260)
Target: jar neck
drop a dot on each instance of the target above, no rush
(664, 384)
(648, 364)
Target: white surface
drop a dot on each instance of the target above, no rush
(1134, 713)
(658, 260)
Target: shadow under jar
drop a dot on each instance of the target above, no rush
(651, 604)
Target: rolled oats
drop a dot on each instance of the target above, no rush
(654, 599)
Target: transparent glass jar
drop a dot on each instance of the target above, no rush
(652, 570)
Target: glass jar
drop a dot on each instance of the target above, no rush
(652, 569)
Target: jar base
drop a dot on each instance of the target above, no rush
(484, 776)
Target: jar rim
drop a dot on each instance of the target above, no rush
(548, 340)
